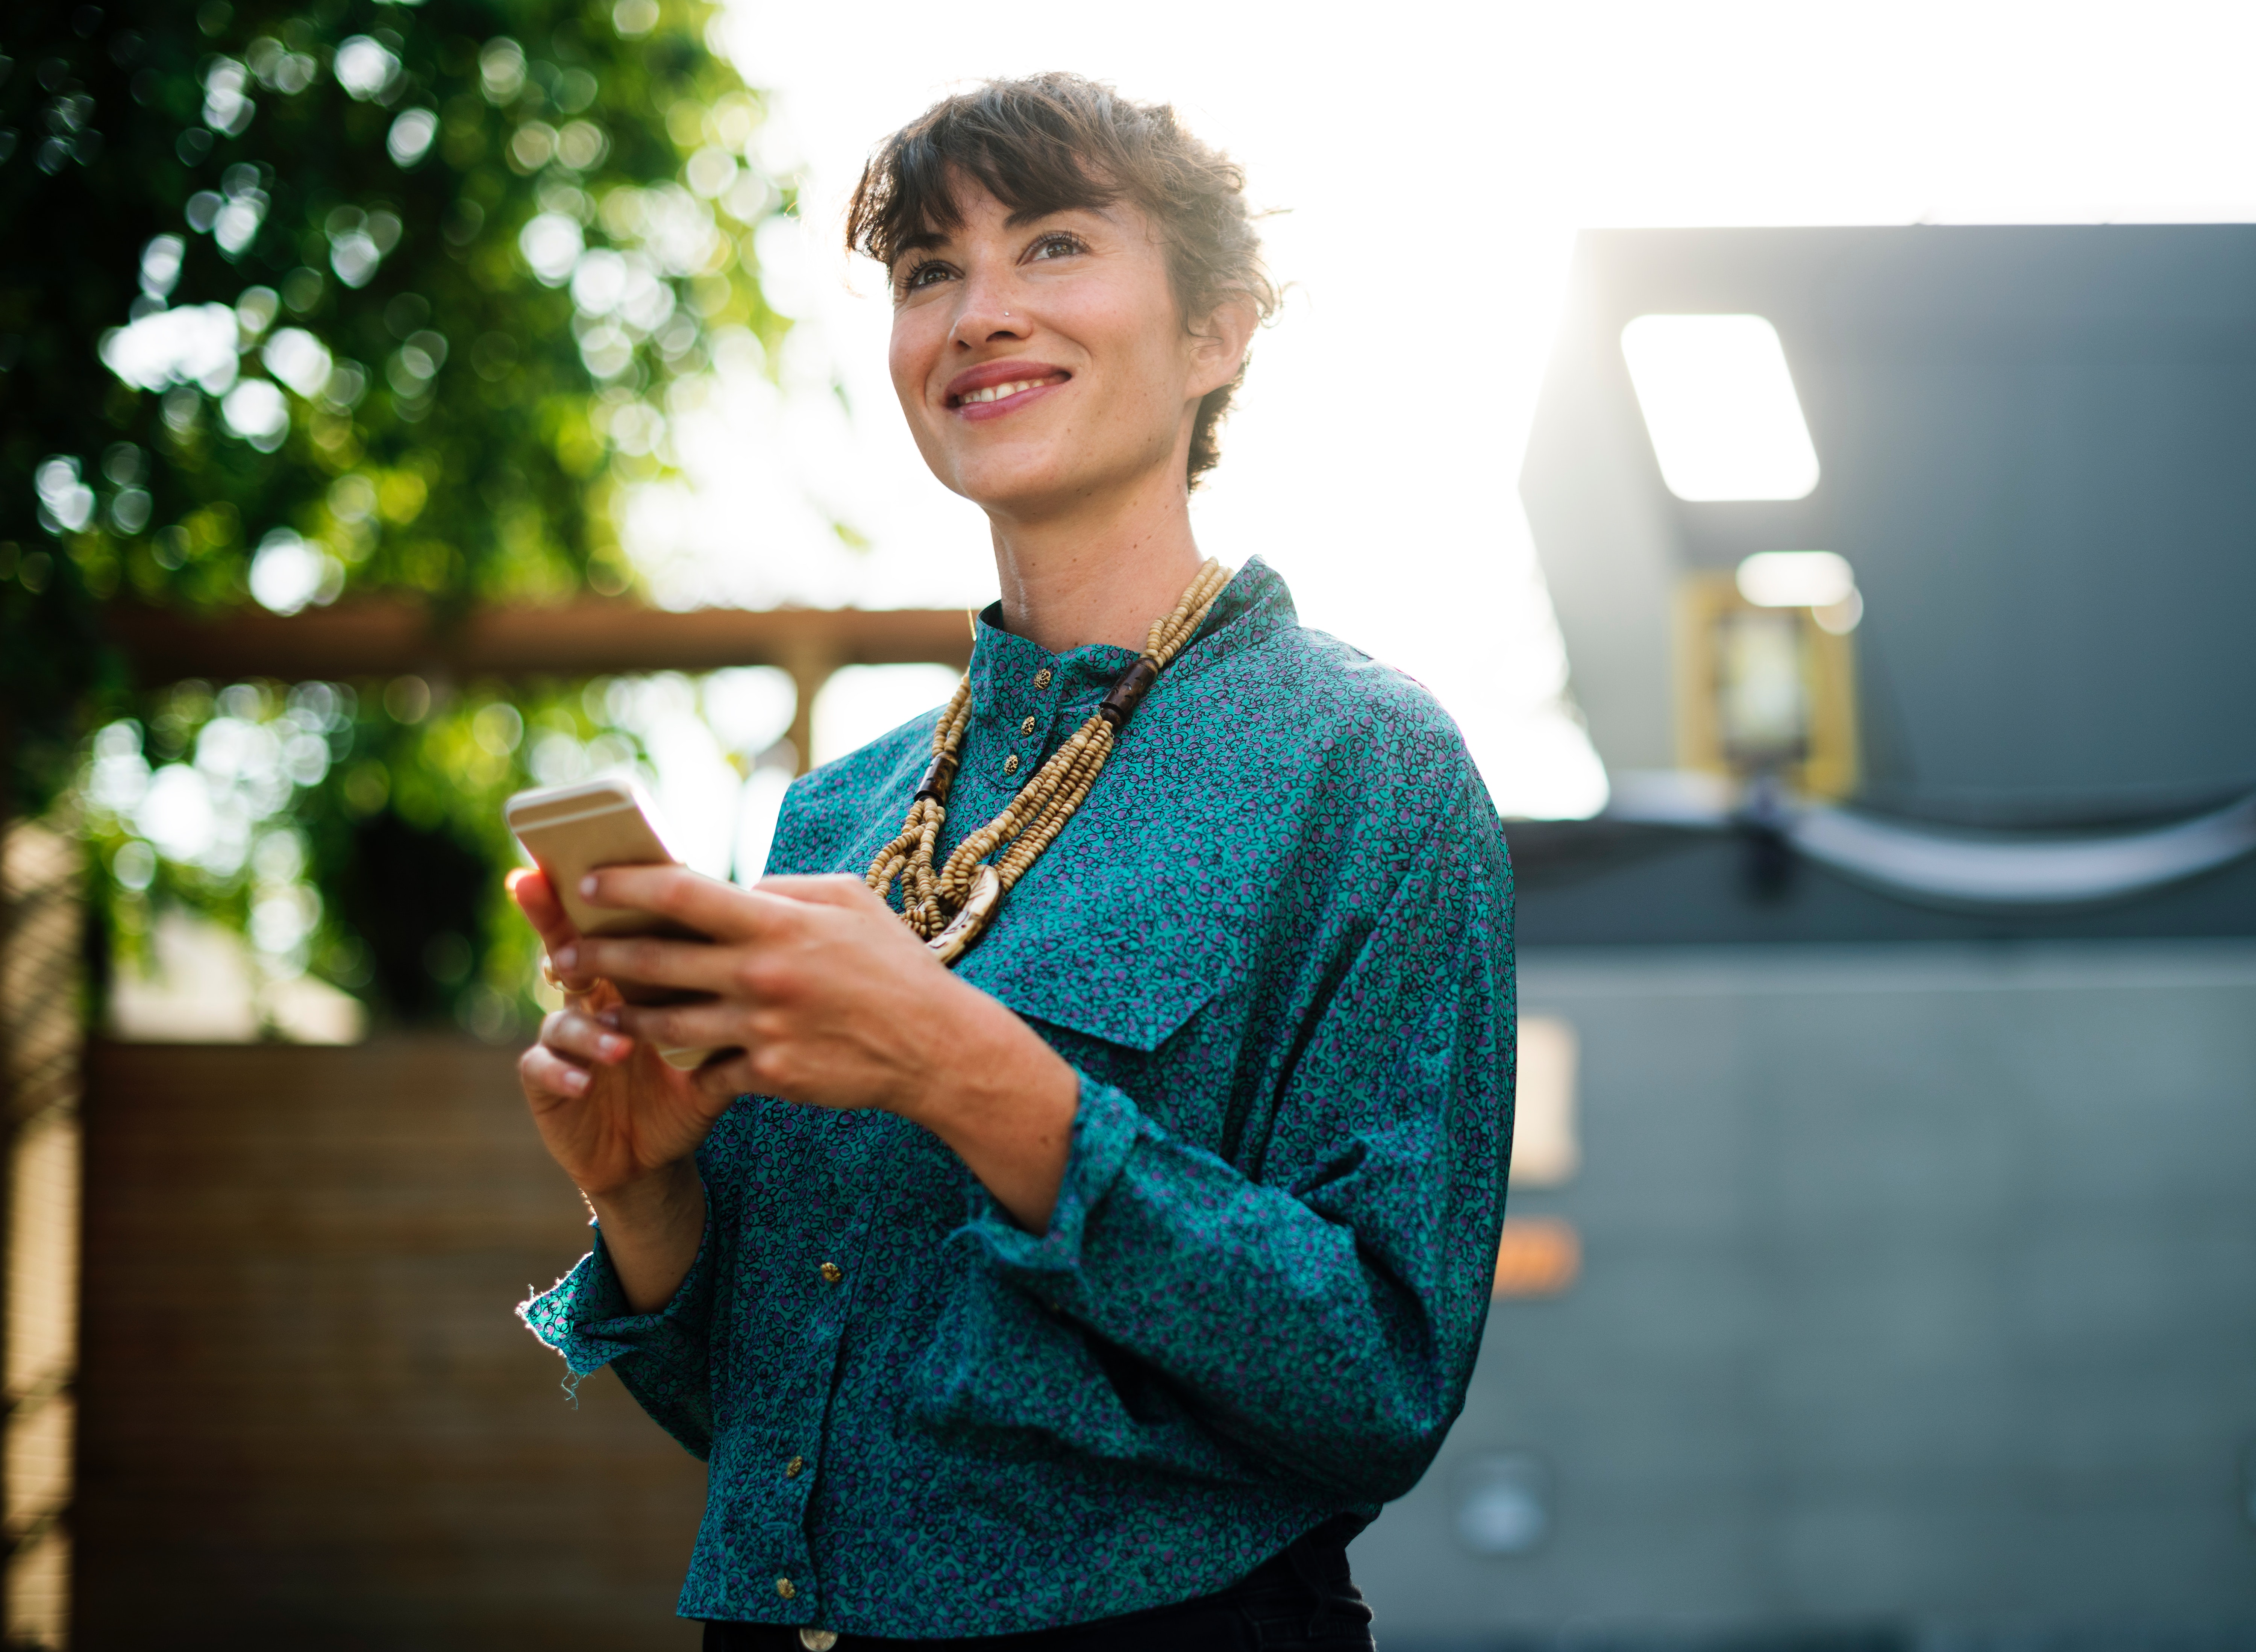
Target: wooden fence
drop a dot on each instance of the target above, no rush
(308, 1417)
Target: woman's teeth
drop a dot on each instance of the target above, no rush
(995, 393)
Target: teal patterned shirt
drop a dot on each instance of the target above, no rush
(1276, 945)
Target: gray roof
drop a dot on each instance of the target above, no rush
(2038, 449)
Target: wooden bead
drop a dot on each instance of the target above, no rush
(950, 907)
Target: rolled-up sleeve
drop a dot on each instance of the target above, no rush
(1321, 1305)
(663, 1357)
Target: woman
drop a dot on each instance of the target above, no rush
(1090, 1224)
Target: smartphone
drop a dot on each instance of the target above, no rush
(572, 830)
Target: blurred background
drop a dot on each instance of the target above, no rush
(1843, 574)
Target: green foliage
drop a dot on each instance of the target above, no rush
(302, 300)
(354, 835)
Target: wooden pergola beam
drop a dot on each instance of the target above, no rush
(386, 638)
(589, 638)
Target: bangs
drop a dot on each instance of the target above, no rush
(1030, 153)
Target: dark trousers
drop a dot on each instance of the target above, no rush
(1302, 1600)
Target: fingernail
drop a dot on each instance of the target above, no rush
(575, 1080)
(588, 884)
(610, 1017)
(615, 1045)
(566, 956)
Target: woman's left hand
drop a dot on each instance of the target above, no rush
(814, 992)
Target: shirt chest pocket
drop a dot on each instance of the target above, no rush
(1109, 1002)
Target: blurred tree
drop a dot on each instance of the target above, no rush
(303, 299)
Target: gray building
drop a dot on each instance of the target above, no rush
(1913, 985)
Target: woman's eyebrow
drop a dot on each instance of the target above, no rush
(1025, 216)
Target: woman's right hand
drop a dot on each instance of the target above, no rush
(623, 1124)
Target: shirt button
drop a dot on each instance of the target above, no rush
(1042, 678)
(818, 1640)
(831, 1272)
(1011, 764)
(786, 1587)
(791, 1470)
(1027, 727)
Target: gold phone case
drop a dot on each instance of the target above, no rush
(572, 830)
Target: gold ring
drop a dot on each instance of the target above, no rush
(548, 974)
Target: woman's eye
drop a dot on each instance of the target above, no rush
(1056, 246)
(924, 275)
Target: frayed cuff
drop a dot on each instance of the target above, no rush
(585, 1315)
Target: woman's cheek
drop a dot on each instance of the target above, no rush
(910, 356)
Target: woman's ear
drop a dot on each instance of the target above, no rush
(1219, 341)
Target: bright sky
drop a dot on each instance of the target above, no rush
(1434, 161)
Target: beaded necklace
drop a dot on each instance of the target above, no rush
(951, 906)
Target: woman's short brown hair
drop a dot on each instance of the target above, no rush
(1049, 143)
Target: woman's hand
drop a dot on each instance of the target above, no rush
(621, 1123)
(814, 992)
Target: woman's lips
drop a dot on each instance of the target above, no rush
(993, 400)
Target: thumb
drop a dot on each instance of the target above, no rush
(535, 899)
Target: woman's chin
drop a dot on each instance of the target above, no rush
(1041, 481)
(1031, 487)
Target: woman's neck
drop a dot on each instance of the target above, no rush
(1097, 576)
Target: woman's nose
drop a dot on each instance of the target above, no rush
(987, 315)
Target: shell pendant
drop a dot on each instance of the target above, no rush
(969, 924)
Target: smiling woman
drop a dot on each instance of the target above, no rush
(1187, 202)
(1087, 1220)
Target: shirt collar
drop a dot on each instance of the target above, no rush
(1005, 668)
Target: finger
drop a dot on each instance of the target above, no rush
(570, 1033)
(547, 1073)
(536, 898)
(719, 910)
(682, 1026)
(561, 969)
(693, 965)
(827, 889)
(528, 886)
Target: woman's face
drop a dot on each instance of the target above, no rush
(1043, 364)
